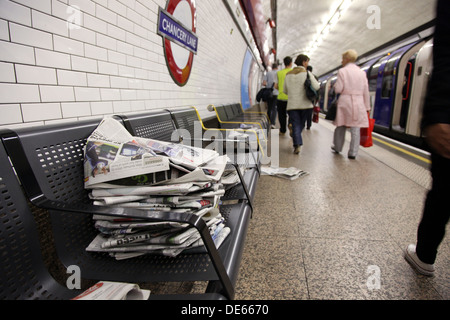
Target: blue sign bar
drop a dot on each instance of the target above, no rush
(170, 28)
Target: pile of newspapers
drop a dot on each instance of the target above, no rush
(131, 172)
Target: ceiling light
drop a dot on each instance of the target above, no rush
(331, 22)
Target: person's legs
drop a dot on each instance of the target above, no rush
(339, 138)
(281, 107)
(304, 114)
(272, 110)
(296, 120)
(436, 213)
(309, 118)
(354, 142)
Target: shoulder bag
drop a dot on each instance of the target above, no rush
(331, 113)
(311, 93)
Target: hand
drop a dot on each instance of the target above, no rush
(438, 138)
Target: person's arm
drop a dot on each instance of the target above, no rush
(436, 112)
(285, 87)
(315, 84)
(366, 96)
(339, 85)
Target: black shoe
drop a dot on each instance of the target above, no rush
(352, 157)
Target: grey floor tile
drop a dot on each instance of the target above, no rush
(327, 235)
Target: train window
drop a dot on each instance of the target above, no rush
(388, 76)
(373, 76)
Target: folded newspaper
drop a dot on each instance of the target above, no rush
(285, 173)
(124, 239)
(113, 155)
(132, 172)
(105, 290)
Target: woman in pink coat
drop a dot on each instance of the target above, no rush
(353, 104)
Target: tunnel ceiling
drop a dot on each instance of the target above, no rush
(362, 25)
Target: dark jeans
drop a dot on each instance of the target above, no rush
(282, 115)
(309, 118)
(298, 120)
(436, 212)
(272, 109)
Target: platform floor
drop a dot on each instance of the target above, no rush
(340, 231)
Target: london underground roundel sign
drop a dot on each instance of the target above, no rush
(177, 25)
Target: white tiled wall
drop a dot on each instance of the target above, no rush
(111, 62)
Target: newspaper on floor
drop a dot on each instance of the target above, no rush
(291, 173)
(105, 290)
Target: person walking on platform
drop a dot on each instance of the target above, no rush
(282, 96)
(353, 104)
(436, 126)
(309, 119)
(298, 105)
(269, 81)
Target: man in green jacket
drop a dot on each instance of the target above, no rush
(282, 97)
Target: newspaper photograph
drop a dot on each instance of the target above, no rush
(112, 155)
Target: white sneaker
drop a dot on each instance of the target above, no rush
(421, 267)
(297, 149)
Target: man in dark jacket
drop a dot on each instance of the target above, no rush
(436, 126)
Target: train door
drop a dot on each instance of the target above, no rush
(323, 94)
(379, 108)
(372, 75)
(331, 95)
(326, 96)
(387, 87)
(367, 68)
(422, 74)
(399, 122)
(402, 98)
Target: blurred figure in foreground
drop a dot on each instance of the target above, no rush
(436, 126)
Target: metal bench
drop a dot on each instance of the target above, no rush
(48, 161)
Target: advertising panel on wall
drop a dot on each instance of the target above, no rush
(246, 75)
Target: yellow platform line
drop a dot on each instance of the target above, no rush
(403, 150)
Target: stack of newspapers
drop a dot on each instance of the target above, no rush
(131, 172)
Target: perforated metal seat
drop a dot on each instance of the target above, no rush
(155, 125)
(23, 273)
(229, 117)
(235, 111)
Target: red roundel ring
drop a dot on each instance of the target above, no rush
(180, 73)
